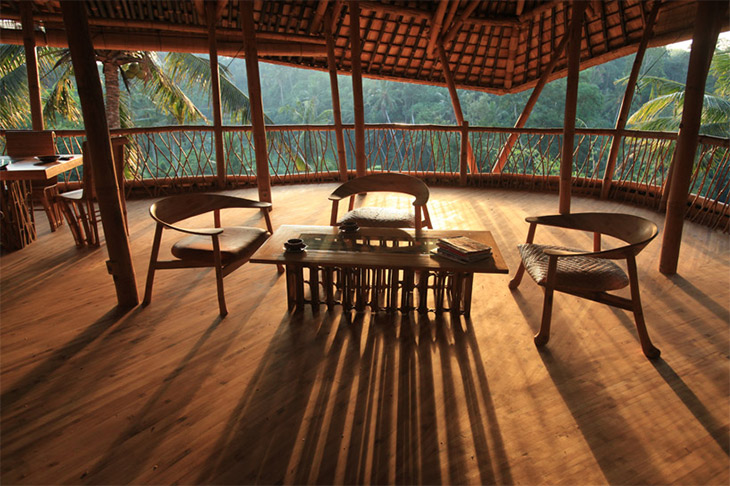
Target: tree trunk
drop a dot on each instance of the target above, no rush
(111, 85)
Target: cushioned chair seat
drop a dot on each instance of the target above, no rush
(580, 273)
(237, 242)
(381, 217)
(76, 195)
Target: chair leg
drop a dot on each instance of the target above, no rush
(650, 351)
(93, 235)
(543, 336)
(517, 279)
(45, 195)
(84, 219)
(151, 270)
(219, 275)
(73, 224)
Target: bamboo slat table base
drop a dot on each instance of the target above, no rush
(380, 268)
(379, 289)
(17, 225)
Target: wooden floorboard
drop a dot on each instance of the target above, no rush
(171, 393)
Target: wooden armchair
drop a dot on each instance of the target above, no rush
(223, 248)
(30, 143)
(79, 205)
(383, 217)
(589, 274)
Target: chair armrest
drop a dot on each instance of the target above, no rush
(612, 254)
(199, 232)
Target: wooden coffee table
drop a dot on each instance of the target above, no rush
(381, 268)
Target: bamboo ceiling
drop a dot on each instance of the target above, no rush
(494, 46)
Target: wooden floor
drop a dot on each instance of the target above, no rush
(170, 393)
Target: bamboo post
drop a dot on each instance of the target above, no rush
(97, 134)
(263, 179)
(359, 109)
(626, 102)
(531, 102)
(457, 105)
(336, 110)
(220, 156)
(31, 63)
(571, 100)
(464, 159)
(707, 27)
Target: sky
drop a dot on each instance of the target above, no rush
(724, 38)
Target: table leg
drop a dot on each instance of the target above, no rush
(423, 277)
(468, 284)
(17, 225)
(314, 287)
(457, 293)
(299, 286)
(328, 284)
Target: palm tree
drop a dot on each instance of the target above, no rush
(663, 111)
(136, 69)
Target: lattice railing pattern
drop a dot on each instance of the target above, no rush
(405, 149)
(301, 151)
(176, 158)
(642, 165)
(239, 149)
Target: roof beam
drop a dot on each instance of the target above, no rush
(167, 27)
(160, 42)
(435, 26)
(473, 4)
(626, 102)
(31, 61)
(318, 15)
(708, 20)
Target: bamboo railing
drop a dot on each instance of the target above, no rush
(163, 160)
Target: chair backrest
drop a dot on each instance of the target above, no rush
(30, 143)
(172, 209)
(634, 230)
(88, 172)
(391, 182)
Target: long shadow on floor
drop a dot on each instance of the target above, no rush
(364, 398)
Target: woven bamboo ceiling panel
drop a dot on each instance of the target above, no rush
(495, 45)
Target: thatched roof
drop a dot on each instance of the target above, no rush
(494, 46)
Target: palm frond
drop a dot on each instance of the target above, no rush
(193, 72)
(61, 100)
(659, 86)
(720, 67)
(166, 95)
(653, 108)
(11, 58)
(14, 87)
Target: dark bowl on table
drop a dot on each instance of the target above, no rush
(48, 158)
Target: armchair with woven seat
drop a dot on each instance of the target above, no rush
(589, 274)
(223, 248)
(383, 217)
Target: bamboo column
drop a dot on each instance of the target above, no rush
(571, 101)
(220, 157)
(359, 109)
(626, 102)
(97, 133)
(263, 179)
(531, 102)
(707, 27)
(457, 105)
(31, 63)
(336, 111)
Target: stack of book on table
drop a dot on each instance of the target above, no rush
(462, 249)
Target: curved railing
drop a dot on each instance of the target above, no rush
(162, 160)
